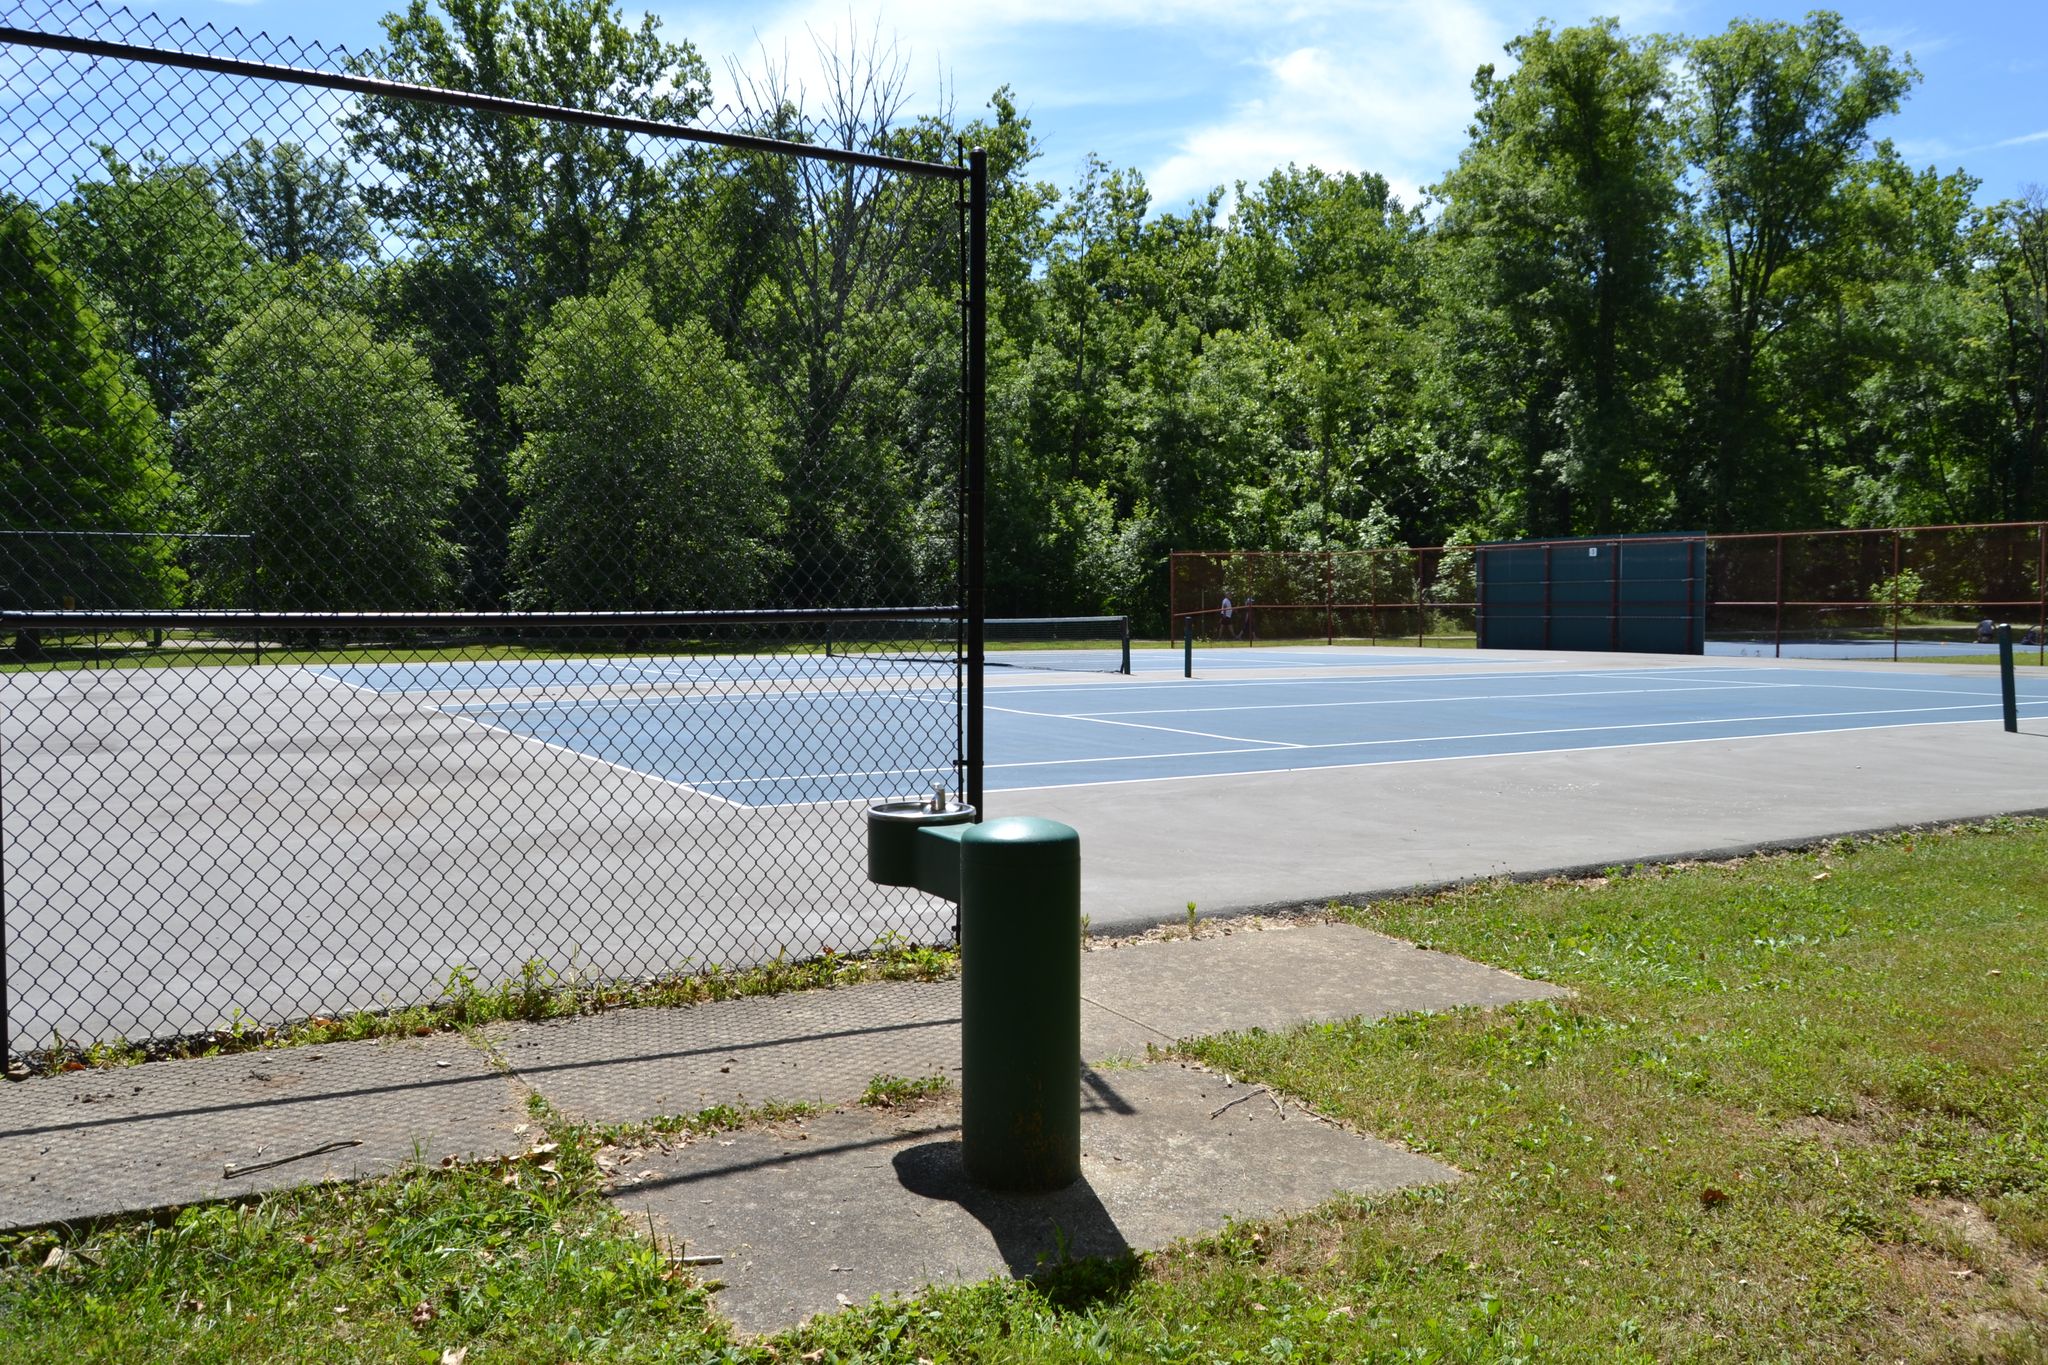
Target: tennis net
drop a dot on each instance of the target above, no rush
(1088, 644)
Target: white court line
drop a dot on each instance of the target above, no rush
(641, 773)
(694, 699)
(1139, 725)
(1470, 758)
(1181, 684)
(1260, 745)
(455, 713)
(1255, 746)
(1401, 701)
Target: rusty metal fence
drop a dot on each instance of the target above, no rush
(1894, 593)
(425, 512)
(1386, 596)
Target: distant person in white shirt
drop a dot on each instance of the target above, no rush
(1226, 627)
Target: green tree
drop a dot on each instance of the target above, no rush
(553, 206)
(162, 260)
(2016, 277)
(1556, 238)
(1333, 265)
(513, 214)
(338, 454)
(293, 204)
(84, 449)
(646, 473)
(1775, 119)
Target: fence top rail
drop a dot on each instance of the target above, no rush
(126, 535)
(1878, 530)
(1647, 538)
(496, 104)
(1329, 554)
(173, 618)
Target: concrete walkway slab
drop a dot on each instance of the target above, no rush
(812, 1216)
(811, 1047)
(86, 1144)
(1281, 976)
(92, 1143)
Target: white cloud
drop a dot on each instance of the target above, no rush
(2023, 139)
(1387, 90)
(1194, 93)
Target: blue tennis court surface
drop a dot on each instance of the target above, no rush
(758, 747)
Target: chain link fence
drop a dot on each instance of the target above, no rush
(1392, 596)
(1905, 593)
(424, 515)
(1892, 593)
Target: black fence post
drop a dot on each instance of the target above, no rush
(6, 1025)
(2007, 685)
(977, 463)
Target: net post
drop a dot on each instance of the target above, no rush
(977, 465)
(1126, 669)
(1897, 596)
(2007, 684)
(1778, 620)
(1187, 646)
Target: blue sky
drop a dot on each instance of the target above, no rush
(1195, 93)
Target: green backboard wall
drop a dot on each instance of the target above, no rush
(1636, 594)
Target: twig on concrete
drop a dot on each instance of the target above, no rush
(230, 1170)
(1249, 1094)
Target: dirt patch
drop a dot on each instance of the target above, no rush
(1209, 928)
(1978, 1284)
(1828, 1132)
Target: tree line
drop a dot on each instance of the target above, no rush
(1672, 283)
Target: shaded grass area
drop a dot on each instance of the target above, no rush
(1797, 1109)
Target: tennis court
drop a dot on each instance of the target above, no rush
(1266, 711)
(493, 812)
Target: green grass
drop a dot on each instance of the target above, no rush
(894, 1092)
(1796, 1109)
